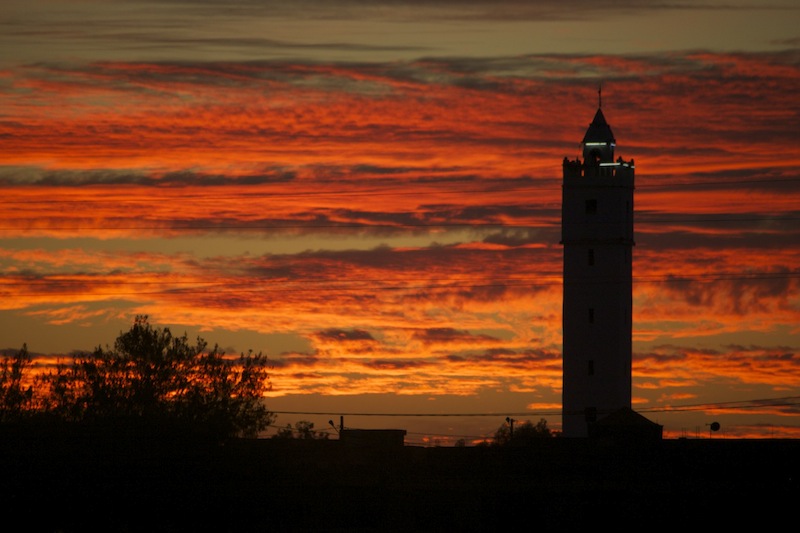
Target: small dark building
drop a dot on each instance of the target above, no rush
(378, 438)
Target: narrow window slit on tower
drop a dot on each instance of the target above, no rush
(591, 315)
(591, 256)
(591, 207)
(591, 367)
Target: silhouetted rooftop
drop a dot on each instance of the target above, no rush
(626, 425)
(625, 417)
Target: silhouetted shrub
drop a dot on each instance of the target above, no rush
(150, 381)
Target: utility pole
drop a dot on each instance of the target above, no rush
(341, 425)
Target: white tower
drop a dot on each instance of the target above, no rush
(597, 235)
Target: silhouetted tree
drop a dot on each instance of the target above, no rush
(525, 433)
(153, 378)
(16, 395)
(302, 430)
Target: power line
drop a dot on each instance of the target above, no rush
(787, 401)
(715, 406)
(740, 404)
(411, 415)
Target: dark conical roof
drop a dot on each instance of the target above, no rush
(599, 130)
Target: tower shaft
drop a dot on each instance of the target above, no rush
(597, 235)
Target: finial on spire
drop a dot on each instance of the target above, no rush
(600, 96)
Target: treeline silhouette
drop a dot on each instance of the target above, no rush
(150, 380)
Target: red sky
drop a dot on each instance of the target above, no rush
(384, 221)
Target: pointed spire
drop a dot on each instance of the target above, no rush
(599, 130)
(598, 142)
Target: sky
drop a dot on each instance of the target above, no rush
(370, 193)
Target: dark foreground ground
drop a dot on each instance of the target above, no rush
(79, 483)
